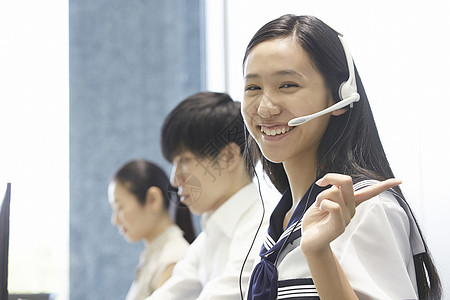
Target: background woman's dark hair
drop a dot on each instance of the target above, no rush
(203, 124)
(139, 175)
(350, 144)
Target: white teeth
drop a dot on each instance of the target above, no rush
(274, 131)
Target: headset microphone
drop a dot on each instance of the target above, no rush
(347, 91)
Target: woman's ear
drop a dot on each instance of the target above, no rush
(154, 199)
(339, 112)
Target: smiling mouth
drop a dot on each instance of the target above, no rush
(275, 131)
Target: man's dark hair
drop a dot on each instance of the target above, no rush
(203, 124)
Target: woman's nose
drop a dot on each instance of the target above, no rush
(268, 108)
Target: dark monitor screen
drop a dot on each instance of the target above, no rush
(4, 242)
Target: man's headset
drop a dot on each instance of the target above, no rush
(347, 91)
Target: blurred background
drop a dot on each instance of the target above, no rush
(85, 85)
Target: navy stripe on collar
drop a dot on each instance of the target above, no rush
(300, 288)
(275, 238)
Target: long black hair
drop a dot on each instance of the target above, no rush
(139, 175)
(356, 151)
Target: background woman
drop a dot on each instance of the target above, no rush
(139, 196)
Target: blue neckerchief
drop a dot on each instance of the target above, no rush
(264, 280)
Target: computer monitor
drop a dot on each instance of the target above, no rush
(4, 242)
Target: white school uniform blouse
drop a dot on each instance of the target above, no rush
(375, 252)
(212, 266)
(166, 249)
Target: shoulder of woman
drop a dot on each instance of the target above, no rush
(387, 200)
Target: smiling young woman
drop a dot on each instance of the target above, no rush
(342, 229)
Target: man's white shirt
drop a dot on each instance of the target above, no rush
(212, 267)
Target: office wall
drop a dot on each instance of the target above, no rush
(34, 151)
(131, 62)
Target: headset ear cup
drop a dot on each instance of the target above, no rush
(346, 90)
(340, 91)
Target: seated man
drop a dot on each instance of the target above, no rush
(204, 138)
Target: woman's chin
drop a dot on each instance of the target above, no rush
(273, 156)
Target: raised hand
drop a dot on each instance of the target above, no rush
(327, 218)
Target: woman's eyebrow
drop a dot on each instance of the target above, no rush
(251, 75)
(288, 72)
(277, 73)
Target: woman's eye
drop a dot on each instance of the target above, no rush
(252, 88)
(288, 85)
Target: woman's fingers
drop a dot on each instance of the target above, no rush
(334, 209)
(352, 199)
(336, 214)
(334, 195)
(344, 182)
(373, 190)
(344, 185)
